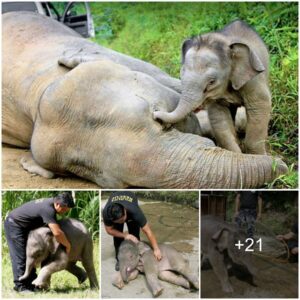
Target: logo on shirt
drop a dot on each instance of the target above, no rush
(122, 198)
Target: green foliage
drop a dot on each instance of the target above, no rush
(155, 32)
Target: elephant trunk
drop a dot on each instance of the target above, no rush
(183, 108)
(29, 267)
(190, 161)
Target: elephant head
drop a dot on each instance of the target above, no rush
(128, 257)
(227, 238)
(40, 245)
(214, 67)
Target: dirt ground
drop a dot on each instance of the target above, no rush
(274, 280)
(174, 224)
(15, 177)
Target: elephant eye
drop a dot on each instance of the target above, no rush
(211, 82)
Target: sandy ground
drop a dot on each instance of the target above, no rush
(274, 280)
(174, 224)
(15, 177)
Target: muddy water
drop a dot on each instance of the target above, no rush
(172, 224)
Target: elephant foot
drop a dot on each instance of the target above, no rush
(41, 284)
(31, 166)
(195, 285)
(227, 288)
(82, 278)
(158, 292)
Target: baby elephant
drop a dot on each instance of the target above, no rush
(135, 258)
(42, 248)
(218, 245)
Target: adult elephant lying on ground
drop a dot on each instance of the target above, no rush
(42, 248)
(135, 258)
(90, 113)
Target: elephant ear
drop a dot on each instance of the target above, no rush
(187, 44)
(221, 238)
(245, 64)
(51, 243)
(143, 247)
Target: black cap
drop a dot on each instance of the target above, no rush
(65, 199)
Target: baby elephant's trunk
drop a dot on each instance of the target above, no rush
(29, 267)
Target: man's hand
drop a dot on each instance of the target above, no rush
(60, 236)
(157, 254)
(131, 237)
(280, 237)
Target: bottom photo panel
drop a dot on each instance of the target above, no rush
(249, 244)
(150, 244)
(50, 244)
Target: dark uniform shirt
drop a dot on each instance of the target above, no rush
(34, 214)
(129, 201)
(248, 199)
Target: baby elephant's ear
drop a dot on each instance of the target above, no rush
(221, 238)
(187, 44)
(51, 242)
(245, 64)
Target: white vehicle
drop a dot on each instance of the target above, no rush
(76, 15)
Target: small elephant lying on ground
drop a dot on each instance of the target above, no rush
(218, 239)
(135, 258)
(42, 248)
(86, 110)
(223, 70)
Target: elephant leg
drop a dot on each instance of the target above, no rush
(29, 164)
(223, 127)
(216, 260)
(173, 278)
(43, 279)
(181, 266)
(258, 109)
(88, 264)
(151, 272)
(77, 272)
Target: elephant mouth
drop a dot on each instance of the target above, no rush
(201, 107)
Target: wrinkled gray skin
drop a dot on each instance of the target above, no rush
(226, 67)
(86, 110)
(139, 257)
(218, 239)
(42, 248)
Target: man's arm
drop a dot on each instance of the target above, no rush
(151, 237)
(124, 235)
(60, 236)
(286, 236)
